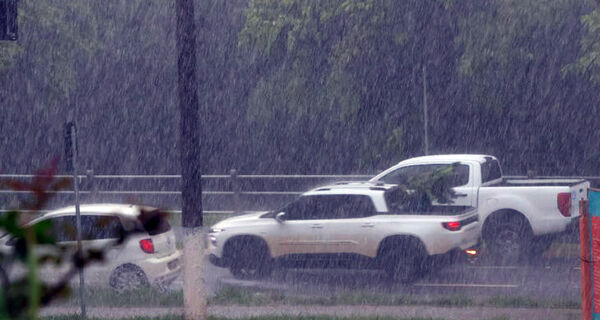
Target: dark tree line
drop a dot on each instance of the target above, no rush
(296, 86)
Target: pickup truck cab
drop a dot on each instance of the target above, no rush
(520, 217)
(345, 225)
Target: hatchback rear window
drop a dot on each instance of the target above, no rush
(153, 224)
(162, 227)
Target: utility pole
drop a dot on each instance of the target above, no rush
(425, 118)
(72, 153)
(189, 138)
(9, 27)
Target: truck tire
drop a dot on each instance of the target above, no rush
(248, 258)
(403, 261)
(507, 237)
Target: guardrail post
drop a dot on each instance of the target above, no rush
(235, 187)
(91, 186)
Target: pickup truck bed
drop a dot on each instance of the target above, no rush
(537, 183)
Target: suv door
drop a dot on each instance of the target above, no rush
(349, 227)
(462, 179)
(300, 230)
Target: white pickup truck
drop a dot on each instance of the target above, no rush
(520, 217)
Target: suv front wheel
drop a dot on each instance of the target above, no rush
(249, 258)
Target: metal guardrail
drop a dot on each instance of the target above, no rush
(232, 186)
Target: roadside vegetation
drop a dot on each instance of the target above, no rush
(248, 297)
(237, 296)
(253, 318)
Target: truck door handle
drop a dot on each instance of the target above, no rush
(462, 195)
(317, 226)
(368, 225)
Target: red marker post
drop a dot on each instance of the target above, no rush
(589, 237)
(586, 274)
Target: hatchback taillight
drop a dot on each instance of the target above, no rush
(563, 200)
(147, 246)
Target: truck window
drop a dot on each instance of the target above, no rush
(405, 174)
(490, 170)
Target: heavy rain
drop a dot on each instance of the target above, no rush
(299, 159)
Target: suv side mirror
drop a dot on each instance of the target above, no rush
(280, 217)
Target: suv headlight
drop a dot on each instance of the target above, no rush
(212, 236)
(216, 230)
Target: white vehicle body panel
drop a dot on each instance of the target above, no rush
(353, 235)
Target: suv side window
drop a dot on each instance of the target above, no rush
(304, 208)
(405, 174)
(330, 207)
(352, 206)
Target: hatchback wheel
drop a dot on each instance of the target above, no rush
(128, 277)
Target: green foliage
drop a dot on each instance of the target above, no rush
(588, 64)
(419, 192)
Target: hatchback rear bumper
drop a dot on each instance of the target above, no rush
(162, 271)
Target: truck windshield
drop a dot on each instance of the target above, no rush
(490, 170)
(404, 175)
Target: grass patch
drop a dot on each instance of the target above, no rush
(565, 250)
(107, 297)
(526, 302)
(176, 317)
(242, 296)
(250, 297)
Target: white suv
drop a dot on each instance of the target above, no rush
(144, 258)
(358, 225)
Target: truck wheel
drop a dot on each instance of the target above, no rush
(249, 259)
(404, 266)
(507, 237)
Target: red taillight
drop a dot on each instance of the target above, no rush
(563, 200)
(452, 225)
(147, 245)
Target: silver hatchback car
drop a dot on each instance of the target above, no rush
(143, 259)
